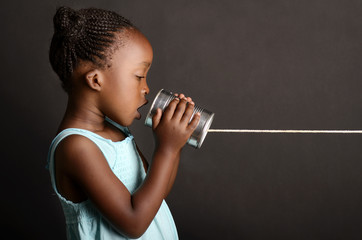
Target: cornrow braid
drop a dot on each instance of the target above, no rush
(85, 34)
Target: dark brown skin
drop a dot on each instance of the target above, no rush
(117, 92)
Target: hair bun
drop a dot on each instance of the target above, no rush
(68, 24)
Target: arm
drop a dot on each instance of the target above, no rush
(186, 118)
(177, 158)
(174, 171)
(173, 175)
(82, 162)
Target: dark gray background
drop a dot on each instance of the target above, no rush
(281, 64)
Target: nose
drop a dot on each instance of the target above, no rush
(146, 90)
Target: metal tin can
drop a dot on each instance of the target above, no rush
(163, 98)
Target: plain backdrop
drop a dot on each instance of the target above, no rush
(257, 64)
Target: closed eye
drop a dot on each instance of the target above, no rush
(140, 77)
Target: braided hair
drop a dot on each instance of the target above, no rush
(87, 34)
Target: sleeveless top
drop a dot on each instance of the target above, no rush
(83, 220)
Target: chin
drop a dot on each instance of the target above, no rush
(124, 122)
(128, 123)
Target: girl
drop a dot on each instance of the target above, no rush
(95, 166)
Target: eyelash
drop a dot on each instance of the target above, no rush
(140, 77)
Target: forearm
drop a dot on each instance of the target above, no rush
(147, 199)
(174, 171)
(173, 174)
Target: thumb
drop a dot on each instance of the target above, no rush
(156, 118)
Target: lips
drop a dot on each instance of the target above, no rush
(138, 113)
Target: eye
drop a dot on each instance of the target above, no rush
(140, 77)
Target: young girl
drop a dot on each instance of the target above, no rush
(105, 186)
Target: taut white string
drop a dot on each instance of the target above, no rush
(285, 131)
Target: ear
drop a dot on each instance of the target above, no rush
(94, 80)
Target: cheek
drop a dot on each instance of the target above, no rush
(123, 88)
(126, 97)
(119, 86)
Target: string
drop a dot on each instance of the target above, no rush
(285, 131)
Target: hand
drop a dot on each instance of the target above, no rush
(173, 128)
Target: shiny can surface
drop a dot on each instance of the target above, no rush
(163, 98)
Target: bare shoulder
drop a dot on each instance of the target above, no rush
(76, 152)
(75, 156)
(77, 159)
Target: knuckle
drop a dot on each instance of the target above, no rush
(188, 114)
(194, 124)
(181, 106)
(173, 103)
(190, 107)
(183, 101)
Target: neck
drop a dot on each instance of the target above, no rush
(82, 114)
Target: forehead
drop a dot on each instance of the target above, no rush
(135, 48)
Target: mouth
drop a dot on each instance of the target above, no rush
(138, 117)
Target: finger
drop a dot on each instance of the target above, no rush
(195, 121)
(180, 109)
(184, 96)
(188, 99)
(188, 113)
(156, 118)
(170, 109)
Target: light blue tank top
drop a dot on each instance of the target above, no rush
(83, 220)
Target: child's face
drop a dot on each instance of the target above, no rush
(125, 81)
